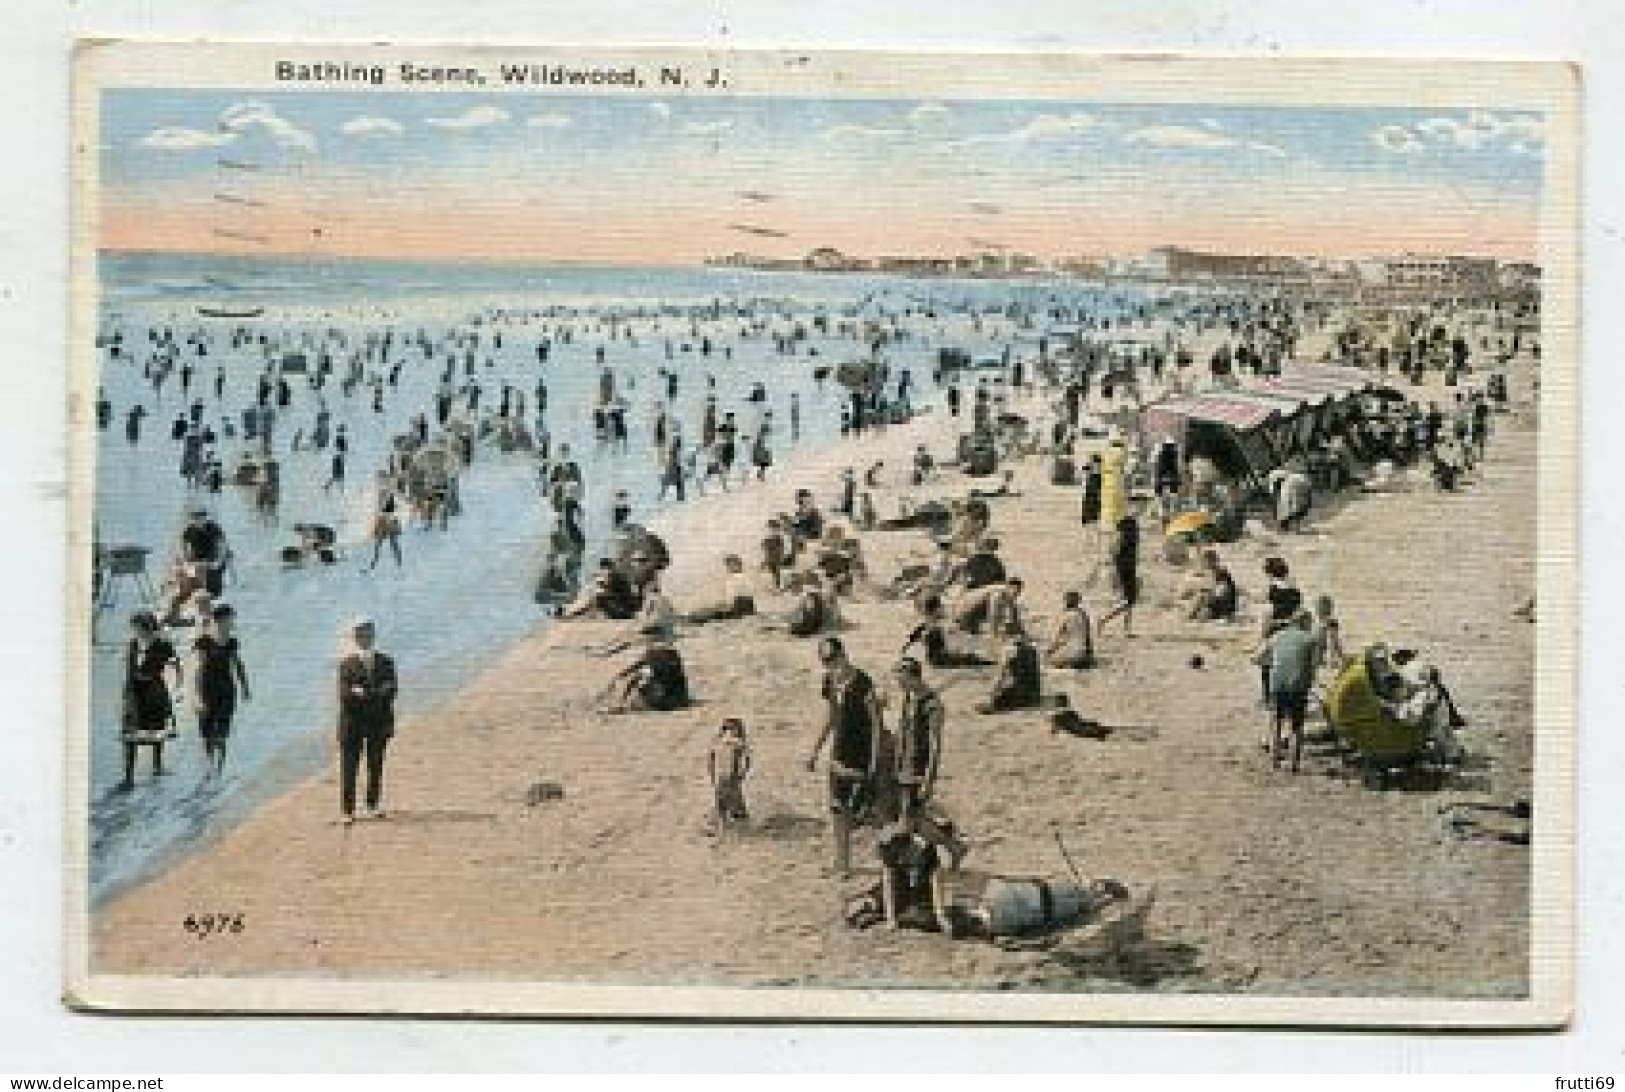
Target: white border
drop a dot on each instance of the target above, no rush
(1550, 88)
(37, 1032)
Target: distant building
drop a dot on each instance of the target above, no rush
(1173, 263)
(826, 259)
(1431, 276)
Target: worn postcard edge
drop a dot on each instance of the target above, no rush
(1550, 85)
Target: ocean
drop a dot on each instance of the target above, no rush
(463, 596)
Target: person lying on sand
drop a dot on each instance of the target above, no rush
(1067, 719)
(918, 580)
(932, 515)
(931, 636)
(1018, 685)
(737, 599)
(1003, 490)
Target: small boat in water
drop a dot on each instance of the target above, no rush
(208, 311)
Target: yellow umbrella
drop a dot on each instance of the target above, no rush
(1188, 524)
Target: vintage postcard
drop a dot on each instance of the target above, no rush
(823, 536)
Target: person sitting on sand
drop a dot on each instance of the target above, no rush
(1019, 685)
(655, 682)
(778, 551)
(931, 635)
(656, 618)
(737, 599)
(1004, 614)
(911, 889)
(922, 579)
(1073, 647)
(1429, 706)
(840, 559)
(814, 609)
(983, 567)
(925, 467)
(971, 521)
(554, 586)
(807, 523)
(608, 596)
(1216, 597)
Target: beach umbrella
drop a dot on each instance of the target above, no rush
(1193, 524)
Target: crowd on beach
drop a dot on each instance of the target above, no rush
(1065, 407)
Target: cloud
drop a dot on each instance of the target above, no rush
(173, 138)
(550, 121)
(475, 117)
(1180, 136)
(928, 112)
(1397, 139)
(1040, 127)
(706, 128)
(1477, 131)
(848, 129)
(372, 125)
(257, 115)
(662, 109)
(1049, 126)
(1266, 148)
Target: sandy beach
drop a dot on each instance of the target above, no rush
(1266, 882)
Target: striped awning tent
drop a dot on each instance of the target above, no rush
(1234, 410)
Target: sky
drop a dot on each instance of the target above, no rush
(622, 179)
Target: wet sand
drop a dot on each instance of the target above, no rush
(1267, 882)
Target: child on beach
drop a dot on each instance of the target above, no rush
(729, 765)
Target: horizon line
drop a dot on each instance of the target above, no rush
(710, 261)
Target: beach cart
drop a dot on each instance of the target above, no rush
(1378, 741)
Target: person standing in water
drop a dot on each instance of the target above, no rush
(386, 527)
(148, 713)
(218, 677)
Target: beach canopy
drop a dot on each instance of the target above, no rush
(1241, 413)
(1338, 381)
(1245, 433)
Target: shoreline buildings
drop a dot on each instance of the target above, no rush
(1389, 278)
